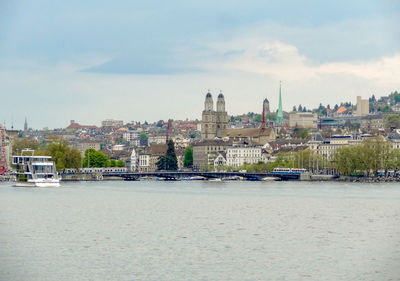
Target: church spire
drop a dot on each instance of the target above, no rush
(25, 125)
(279, 119)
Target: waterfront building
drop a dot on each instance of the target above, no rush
(134, 161)
(362, 107)
(327, 148)
(213, 122)
(144, 161)
(306, 120)
(205, 151)
(156, 151)
(243, 153)
(220, 160)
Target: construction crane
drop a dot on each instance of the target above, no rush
(3, 158)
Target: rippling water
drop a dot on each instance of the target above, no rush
(200, 231)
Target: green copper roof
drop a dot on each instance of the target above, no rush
(279, 118)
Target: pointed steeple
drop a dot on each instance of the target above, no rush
(279, 119)
(25, 125)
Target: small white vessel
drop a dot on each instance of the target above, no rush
(270, 179)
(215, 180)
(35, 171)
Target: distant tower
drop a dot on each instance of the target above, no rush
(208, 120)
(221, 115)
(221, 103)
(279, 118)
(213, 122)
(209, 103)
(25, 125)
(265, 113)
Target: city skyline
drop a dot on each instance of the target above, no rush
(155, 60)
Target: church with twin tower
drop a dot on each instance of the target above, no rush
(214, 122)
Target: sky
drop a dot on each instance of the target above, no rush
(154, 60)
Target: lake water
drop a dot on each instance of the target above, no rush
(200, 231)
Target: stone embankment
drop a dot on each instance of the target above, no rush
(369, 179)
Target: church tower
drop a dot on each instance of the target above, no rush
(222, 115)
(208, 120)
(213, 123)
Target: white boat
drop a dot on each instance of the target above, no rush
(215, 180)
(197, 178)
(270, 179)
(35, 171)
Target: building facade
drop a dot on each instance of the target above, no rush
(362, 107)
(372, 122)
(205, 152)
(305, 120)
(239, 154)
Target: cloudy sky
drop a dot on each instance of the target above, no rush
(150, 60)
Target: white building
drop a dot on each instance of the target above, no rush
(131, 135)
(160, 139)
(144, 162)
(220, 160)
(240, 154)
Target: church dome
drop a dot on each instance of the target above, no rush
(208, 95)
(266, 100)
(220, 96)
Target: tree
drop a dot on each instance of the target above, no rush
(120, 163)
(393, 121)
(188, 157)
(257, 117)
(169, 160)
(94, 158)
(371, 155)
(24, 143)
(63, 155)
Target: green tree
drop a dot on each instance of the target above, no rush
(63, 155)
(169, 160)
(257, 118)
(24, 143)
(120, 163)
(369, 156)
(188, 157)
(393, 120)
(94, 158)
